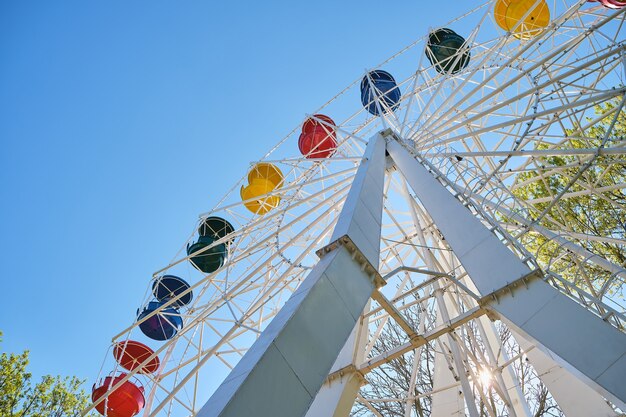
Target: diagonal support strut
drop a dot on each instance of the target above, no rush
(282, 372)
(590, 347)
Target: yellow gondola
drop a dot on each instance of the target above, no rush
(266, 171)
(523, 18)
(263, 178)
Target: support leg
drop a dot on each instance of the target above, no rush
(337, 395)
(590, 347)
(575, 398)
(284, 369)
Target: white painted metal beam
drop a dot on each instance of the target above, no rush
(509, 379)
(447, 397)
(531, 152)
(336, 397)
(284, 369)
(590, 347)
(574, 398)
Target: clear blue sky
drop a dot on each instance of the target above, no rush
(121, 121)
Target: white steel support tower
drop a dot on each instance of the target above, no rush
(451, 244)
(291, 358)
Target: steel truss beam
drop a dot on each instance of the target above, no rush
(575, 398)
(284, 369)
(511, 291)
(336, 397)
(311, 334)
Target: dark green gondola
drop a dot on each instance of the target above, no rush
(211, 229)
(447, 51)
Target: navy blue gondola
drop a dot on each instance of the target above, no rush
(162, 326)
(385, 89)
(167, 287)
(447, 51)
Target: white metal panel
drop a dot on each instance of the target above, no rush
(586, 345)
(447, 397)
(589, 346)
(284, 369)
(574, 397)
(473, 244)
(361, 213)
(336, 397)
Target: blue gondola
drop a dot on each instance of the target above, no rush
(167, 287)
(385, 90)
(161, 326)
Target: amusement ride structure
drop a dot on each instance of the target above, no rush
(454, 245)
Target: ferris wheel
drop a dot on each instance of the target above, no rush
(445, 237)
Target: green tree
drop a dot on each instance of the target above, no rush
(53, 396)
(593, 206)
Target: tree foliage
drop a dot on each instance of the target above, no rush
(53, 396)
(583, 214)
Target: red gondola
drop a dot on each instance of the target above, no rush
(611, 4)
(318, 138)
(131, 355)
(126, 401)
(317, 120)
